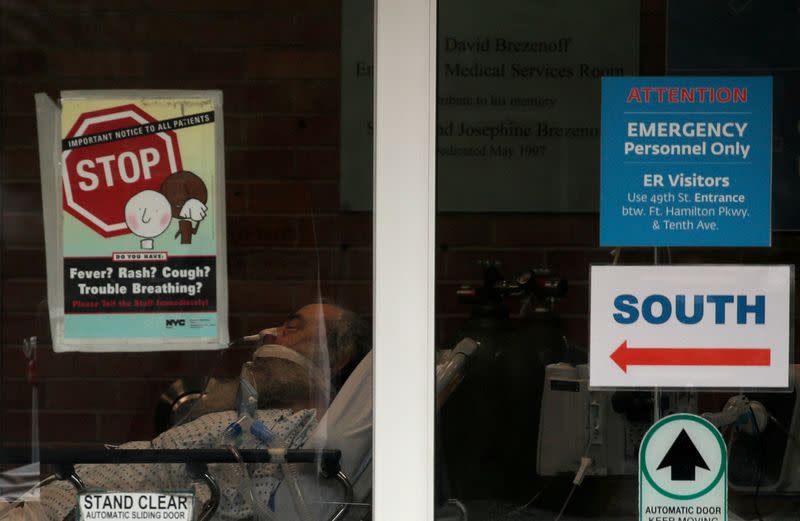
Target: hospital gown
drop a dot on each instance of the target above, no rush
(58, 499)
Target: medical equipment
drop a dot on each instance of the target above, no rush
(451, 373)
(763, 454)
(247, 405)
(611, 424)
(232, 438)
(764, 451)
(502, 387)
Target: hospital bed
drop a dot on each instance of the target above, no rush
(339, 450)
(346, 423)
(196, 460)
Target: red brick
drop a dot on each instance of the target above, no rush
(546, 230)
(113, 427)
(292, 64)
(455, 230)
(258, 231)
(22, 197)
(306, 198)
(19, 163)
(82, 394)
(270, 96)
(16, 394)
(28, 296)
(354, 296)
(281, 130)
(71, 365)
(260, 297)
(358, 264)
(172, 63)
(140, 394)
(27, 264)
(259, 164)
(654, 6)
(574, 264)
(317, 97)
(319, 32)
(53, 427)
(20, 326)
(88, 7)
(458, 265)
(343, 230)
(226, 30)
(236, 197)
(202, 6)
(19, 130)
(23, 230)
(284, 265)
(305, 6)
(317, 164)
(18, 96)
(22, 62)
(258, 321)
(237, 325)
(151, 365)
(237, 264)
(88, 63)
(15, 365)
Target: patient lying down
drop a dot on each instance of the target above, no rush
(294, 388)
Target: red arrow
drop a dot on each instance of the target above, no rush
(625, 356)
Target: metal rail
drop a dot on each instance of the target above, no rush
(328, 459)
(195, 459)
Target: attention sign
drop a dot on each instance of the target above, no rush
(690, 326)
(686, 161)
(683, 472)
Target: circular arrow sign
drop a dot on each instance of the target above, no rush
(99, 179)
(683, 467)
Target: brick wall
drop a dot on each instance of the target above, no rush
(278, 65)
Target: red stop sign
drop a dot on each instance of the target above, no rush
(99, 179)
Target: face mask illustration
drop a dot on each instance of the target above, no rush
(187, 195)
(147, 215)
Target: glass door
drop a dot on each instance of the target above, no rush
(535, 148)
(187, 285)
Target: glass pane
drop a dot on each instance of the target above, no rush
(519, 157)
(256, 243)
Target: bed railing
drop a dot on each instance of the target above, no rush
(196, 460)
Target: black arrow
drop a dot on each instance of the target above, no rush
(683, 457)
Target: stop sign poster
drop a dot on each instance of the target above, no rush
(143, 234)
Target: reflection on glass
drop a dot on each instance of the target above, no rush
(519, 433)
(278, 426)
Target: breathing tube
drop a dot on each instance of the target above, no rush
(233, 436)
(277, 450)
(247, 405)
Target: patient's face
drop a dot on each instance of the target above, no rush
(281, 383)
(304, 330)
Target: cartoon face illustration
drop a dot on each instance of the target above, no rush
(148, 214)
(187, 195)
(181, 187)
